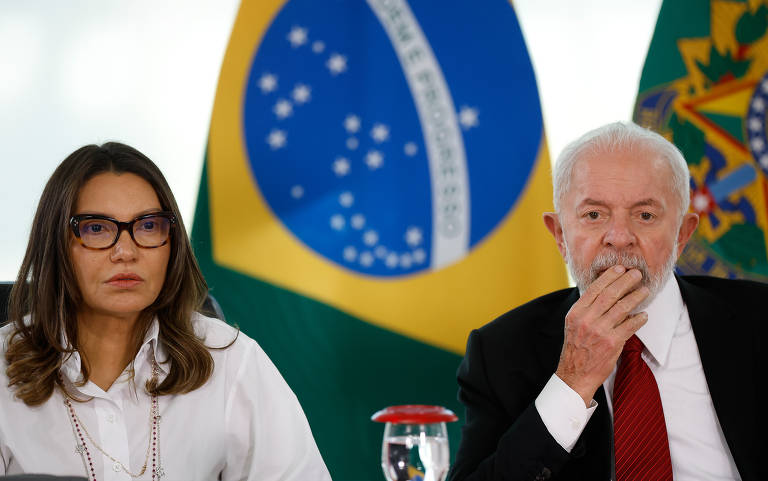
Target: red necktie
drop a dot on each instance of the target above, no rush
(640, 434)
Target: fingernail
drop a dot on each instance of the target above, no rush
(618, 269)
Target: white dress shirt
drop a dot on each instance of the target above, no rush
(244, 423)
(697, 446)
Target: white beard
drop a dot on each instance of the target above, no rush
(584, 276)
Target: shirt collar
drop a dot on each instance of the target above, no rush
(152, 342)
(664, 313)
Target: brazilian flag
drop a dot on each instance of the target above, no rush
(373, 187)
(705, 87)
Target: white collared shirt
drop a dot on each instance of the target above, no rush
(696, 443)
(243, 423)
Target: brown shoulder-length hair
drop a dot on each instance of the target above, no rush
(46, 288)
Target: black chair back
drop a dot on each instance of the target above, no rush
(5, 294)
(211, 308)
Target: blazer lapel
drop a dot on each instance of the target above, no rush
(552, 332)
(599, 435)
(728, 367)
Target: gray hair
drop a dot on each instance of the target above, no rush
(621, 136)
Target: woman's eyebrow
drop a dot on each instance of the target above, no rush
(151, 210)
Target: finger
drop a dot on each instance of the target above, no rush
(617, 290)
(604, 280)
(624, 307)
(631, 324)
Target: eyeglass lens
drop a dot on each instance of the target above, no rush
(147, 231)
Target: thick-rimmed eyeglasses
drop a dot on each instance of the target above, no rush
(101, 232)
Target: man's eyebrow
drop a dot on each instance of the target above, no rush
(590, 201)
(649, 201)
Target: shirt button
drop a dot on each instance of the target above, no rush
(111, 418)
(116, 467)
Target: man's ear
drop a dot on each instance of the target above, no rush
(687, 227)
(552, 221)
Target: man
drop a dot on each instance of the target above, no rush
(543, 385)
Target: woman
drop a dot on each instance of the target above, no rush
(110, 371)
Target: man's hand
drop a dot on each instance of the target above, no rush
(596, 328)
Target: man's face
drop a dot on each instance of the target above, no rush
(621, 209)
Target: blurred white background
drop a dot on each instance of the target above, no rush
(144, 72)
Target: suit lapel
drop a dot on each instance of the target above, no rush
(728, 367)
(599, 432)
(551, 326)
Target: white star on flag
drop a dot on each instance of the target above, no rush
(366, 259)
(380, 252)
(764, 161)
(406, 261)
(410, 149)
(297, 192)
(337, 222)
(757, 144)
(758, 104)
(374, 159)
(267, 83)
(301, 94)
(350, 253)
(755, 124)
(357, 221)
(419, 256)
(352, 123)
(380, 133)
(336, 63)
(468, 117)
(277, 139)
(764, 86)
(391, 260)
(297, 36)
(352, 143)
(346, 199)
(341, 166)
(318, 46)
(413, 236)
(283, 108)
(370, 238)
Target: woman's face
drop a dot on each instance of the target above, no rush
(124, 279)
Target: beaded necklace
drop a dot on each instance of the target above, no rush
(81, 447)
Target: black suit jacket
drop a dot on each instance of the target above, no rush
(509, 361)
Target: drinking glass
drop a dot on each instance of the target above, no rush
(415, 445)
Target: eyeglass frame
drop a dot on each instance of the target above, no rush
(74, 223)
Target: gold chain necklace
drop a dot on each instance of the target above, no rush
(81, 447)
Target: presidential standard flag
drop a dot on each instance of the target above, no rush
(705, 87)
(373, 189)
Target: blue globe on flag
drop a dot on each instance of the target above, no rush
(372, 141)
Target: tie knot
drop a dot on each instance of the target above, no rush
(633, 346)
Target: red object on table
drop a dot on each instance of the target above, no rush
(414, 414)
